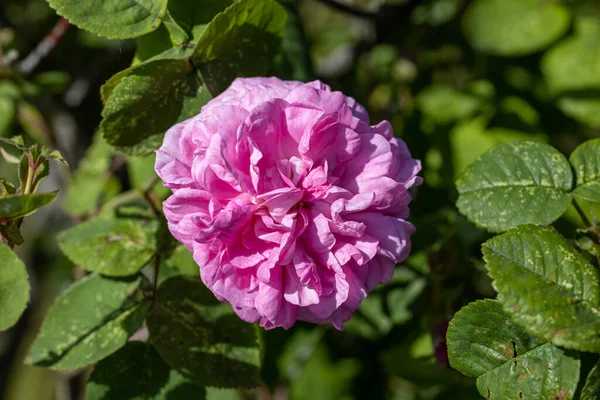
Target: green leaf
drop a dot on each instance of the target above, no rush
(584, 109)
(7, 115)
(149, 98)
(482, 337)
(90, 179)
(591, 390)
(15, 141)
(572, 70)
(89, 321)
(6, 187)
(117, 19)
(545, 372)
(444, 104)
(137, 372)
(546, 286)
(323, 378)
(152, 44)
(241, 41)
(514, 27)
(141, 171)
(18, 206)
(515, 183)
(55, 82)
(193, 19)
(586, 163)
(145, 147)
(54, 155)
(33, 122)
(574, 63)
(11, 230)
(111, 246)
(183, 260)
(201, 337)
(470, 139)
(509, 363)
(14, 287)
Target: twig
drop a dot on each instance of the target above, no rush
(147, 193)
(44, 47)
(591, 228)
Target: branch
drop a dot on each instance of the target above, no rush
(44, 47)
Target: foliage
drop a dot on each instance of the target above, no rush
(500, 297)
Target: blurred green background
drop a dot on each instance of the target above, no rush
(454, 77)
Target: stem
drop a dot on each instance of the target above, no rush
(29, 182)
(156, 271)
(587, 222)
(44, 47)
(147, 192)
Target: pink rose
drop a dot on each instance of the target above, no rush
(293, 206)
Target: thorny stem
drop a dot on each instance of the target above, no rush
(591, 228)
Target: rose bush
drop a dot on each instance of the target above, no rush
(293, 205)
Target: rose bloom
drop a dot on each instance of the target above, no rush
(293, 206)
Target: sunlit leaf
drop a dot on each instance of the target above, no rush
(120, 19)
(514, 27)
(17, 206)
(89, 321)
(586, 163)
(515, 183)
(14, 287)
(111, 246)
(546, 286)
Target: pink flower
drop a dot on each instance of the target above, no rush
(293, 206)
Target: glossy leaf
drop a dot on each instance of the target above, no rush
(515, 183)
(514, 27)
(509, 363)
(137, 372)
(14, 287)
(110, 246)
(545, 372)
(201, 337)
(546, 286)
(90, 320)
(586, 163)
(240, 41)
(149, 98)
(118, 19)
(482, 337)
(17, 206)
